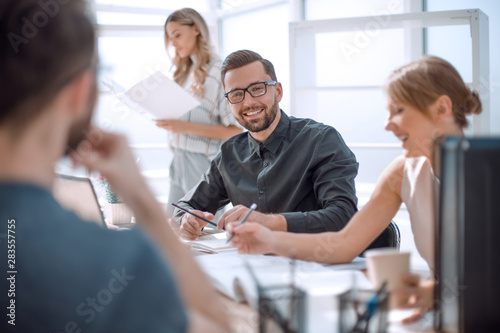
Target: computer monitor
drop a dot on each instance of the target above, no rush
(468, 235)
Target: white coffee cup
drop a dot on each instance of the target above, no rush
(387, 264)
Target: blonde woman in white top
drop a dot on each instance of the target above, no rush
(197, 136)
(426, 99)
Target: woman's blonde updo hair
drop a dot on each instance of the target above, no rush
(188, 16)
(420, 83)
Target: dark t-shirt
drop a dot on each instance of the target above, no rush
(73, 276)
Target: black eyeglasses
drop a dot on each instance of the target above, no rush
(255, 90)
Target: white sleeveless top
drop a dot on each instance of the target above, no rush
(417, 192)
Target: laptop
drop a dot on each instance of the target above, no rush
(78, 195)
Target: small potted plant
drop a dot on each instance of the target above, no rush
(115, 210)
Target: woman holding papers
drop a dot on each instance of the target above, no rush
(198, 134)
(426, 99)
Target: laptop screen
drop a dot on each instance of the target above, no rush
(78, 195)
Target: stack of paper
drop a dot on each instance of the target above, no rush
(212, 243)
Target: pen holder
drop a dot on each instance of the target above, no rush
(285, 305)
(363, 311)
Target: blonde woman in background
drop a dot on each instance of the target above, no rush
(426, 99)
(197, 136)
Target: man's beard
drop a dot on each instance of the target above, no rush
(264, 123)
(80, 129)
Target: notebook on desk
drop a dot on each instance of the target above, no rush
(212, 242)
(78, 195)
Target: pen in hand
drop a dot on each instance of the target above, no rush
(252, 208)
(195, 215)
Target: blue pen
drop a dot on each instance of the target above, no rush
(371, 307)
(252, 208)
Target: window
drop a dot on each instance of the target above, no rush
(263, 30)
(329, 9)
(492, 9)
(232, 4)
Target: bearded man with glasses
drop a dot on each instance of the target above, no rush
(299, 172)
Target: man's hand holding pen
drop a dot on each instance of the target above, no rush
(191, 225)
(194, 221)
(272, 221)
(252, 238)
(252, 208)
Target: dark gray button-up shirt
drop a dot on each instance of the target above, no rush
(304, 171)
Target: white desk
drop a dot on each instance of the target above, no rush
(322, 310)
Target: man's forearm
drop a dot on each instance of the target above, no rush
(331, 218)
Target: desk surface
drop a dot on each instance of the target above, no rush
(244, 318)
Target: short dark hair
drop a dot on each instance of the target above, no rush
(242, 58)
(44, 45)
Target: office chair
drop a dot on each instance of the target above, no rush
(390, 237)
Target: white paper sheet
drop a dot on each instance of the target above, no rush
(212, 243)
(156, 97)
